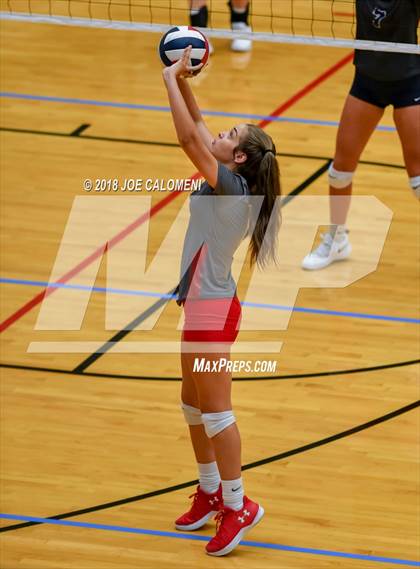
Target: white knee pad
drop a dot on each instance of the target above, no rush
(192, 414)
(339, 180)
(415, 185)
(215, 423)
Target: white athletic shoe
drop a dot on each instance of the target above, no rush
(240, 44)
(327, 252)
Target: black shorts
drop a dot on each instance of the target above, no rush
(402, 93)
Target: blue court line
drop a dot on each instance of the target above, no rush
(195, 537)
(250, 304)
(137, 106)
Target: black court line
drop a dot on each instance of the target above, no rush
(365, 162)
(122, 333)
(176, 145)
(306, 183)
(78, 131)
(248, 466)
(244, 378)
(90, 137)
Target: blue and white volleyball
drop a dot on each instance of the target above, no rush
(173, 43)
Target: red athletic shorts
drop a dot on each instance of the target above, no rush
(212, 320)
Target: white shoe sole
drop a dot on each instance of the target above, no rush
(238, 538)
(198, 524)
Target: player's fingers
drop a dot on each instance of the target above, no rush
(194, 68)
(186, 55)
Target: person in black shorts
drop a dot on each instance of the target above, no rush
(381, 79)
(239, 198)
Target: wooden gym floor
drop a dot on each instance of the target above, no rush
(335, 434)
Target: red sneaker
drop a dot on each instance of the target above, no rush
(232, 526)
(204, 507)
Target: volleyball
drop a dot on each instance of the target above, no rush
(173, 43)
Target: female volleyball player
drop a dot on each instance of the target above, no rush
(240, 168)
(239, 10)
(381, 79)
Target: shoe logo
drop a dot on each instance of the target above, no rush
(236, 489)
(416, 99)
(242, 518)
(214, 500)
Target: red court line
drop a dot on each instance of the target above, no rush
(156, 208)
(309, 87)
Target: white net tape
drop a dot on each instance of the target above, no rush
(213, 33)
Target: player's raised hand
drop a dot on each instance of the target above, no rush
(183, 67)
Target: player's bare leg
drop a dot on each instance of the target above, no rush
(357, 123)
(407, 121)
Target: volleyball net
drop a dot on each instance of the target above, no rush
(312, 22)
